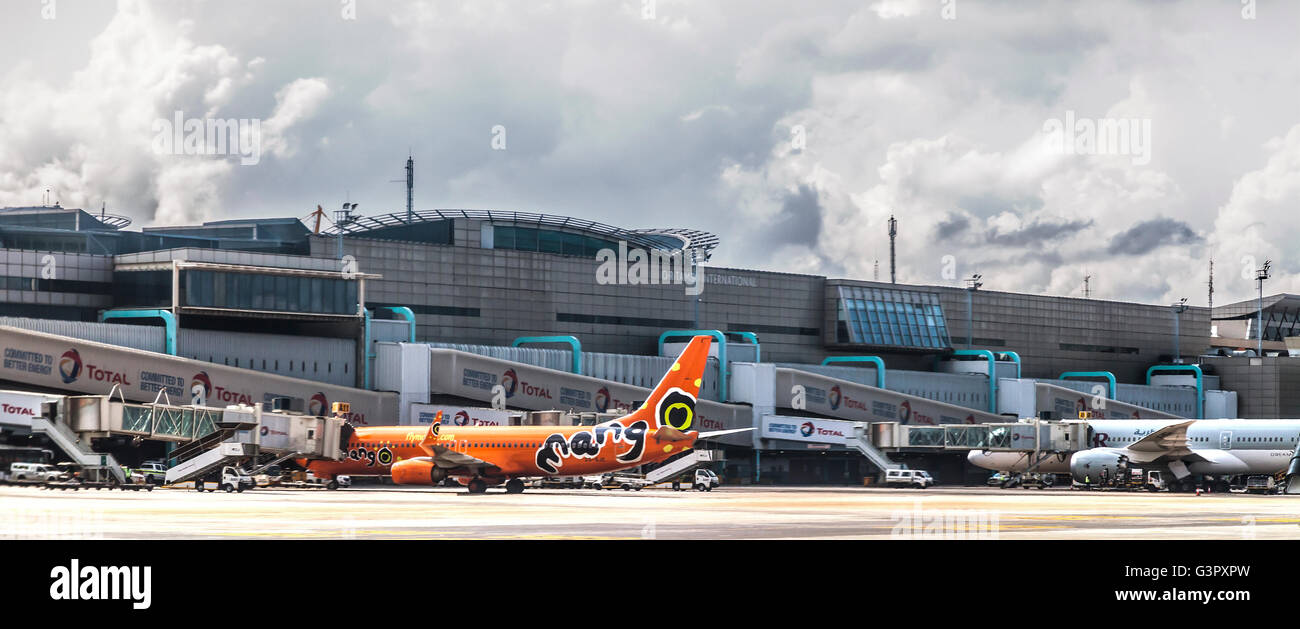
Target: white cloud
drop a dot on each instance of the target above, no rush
(685, 121)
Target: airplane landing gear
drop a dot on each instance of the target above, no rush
(514, 486)
(477, 486)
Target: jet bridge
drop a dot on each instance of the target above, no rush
(1027, 436)
(244, 433)
(74, 366)
(1030, 398)
(844, 399)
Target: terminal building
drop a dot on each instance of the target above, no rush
(406, 312)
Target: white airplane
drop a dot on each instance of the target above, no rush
(1218, 447)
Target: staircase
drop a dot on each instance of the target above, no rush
(862, 443)
(1293, 474)
(687, 462)
(196, 467)
(80, 453)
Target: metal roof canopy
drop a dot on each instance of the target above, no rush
(701, 241)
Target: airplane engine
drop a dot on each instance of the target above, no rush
(1090, 463)
(418, 471)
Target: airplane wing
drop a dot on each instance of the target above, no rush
(446, 457)
(714, 434)
(1170, 440)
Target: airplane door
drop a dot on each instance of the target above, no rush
(1225, 440)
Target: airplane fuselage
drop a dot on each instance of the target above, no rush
(1224, 446)
(514, 451)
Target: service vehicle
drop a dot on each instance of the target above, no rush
(154, 472)
(908, 478)
(1261, 484)
(614, 480)
(33, 472)
(701, 479)
(230, 479)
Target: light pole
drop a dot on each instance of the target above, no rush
(1261, 275)
(1178, 309)
(973, 284)
(343, 217)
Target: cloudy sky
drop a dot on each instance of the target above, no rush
(792, 129)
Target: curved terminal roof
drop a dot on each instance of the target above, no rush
(671, 239)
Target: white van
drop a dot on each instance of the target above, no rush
(33, 472)
(908, 478)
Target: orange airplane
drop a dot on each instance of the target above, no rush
(483, 456)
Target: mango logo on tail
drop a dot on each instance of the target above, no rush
(319, 406)
(200, 389)
(509, 381)
(70, 366)
(602, 400)
(676, 409)
(835, 397)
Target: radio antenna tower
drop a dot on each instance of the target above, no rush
(893, 233)
(1211, 296)
(410, 187)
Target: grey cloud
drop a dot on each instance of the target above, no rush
(800, 219)
(954, 225)
(1149, 235)
(1034, 234)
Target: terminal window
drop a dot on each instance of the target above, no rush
(251, 291)
(548, 241)
(902, 318)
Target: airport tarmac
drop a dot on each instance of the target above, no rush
(388, 512)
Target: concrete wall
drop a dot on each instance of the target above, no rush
(1266, 387)
(468, 294)
(1054, 334)
(20, 297)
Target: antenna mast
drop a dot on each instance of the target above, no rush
(410, 187)
(893, 232)
(1211, 299)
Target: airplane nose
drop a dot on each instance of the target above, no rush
(979, 458)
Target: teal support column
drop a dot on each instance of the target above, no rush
(723, 370)
(752, 338)
(878, 361)
(993, 372)
(574, 344)
(168, 319)
(1200, 383)
(365, 349)
(1016, 359)
(406, 313)
(1092, 374)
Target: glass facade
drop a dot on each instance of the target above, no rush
(548, 241)
(280, 293)
(884, 316)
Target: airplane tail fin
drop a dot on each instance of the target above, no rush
(431, 438)
(672, 403)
